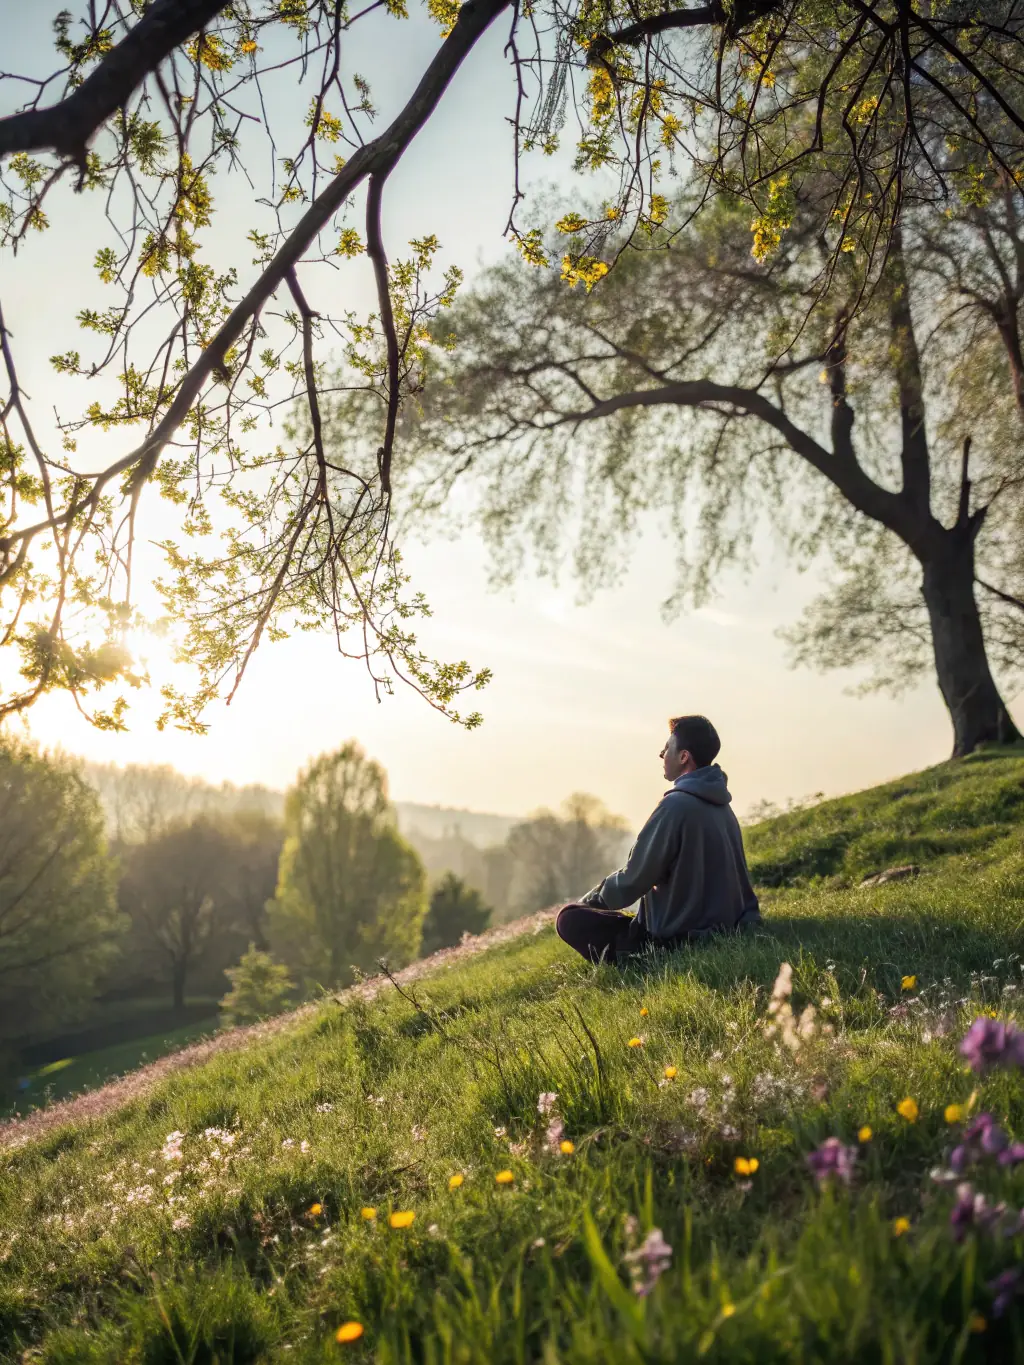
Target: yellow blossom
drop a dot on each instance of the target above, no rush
(368, 1214)
(248, 46)
(315, 1210)
(402, 1219)
(635, 1042)
(908, 983)
(566, 1147)
(908, 1109)
(349, 1331)
(864, 1134)
(744, 1165)
(671, 1072)
(728, 1309)
(504, 1177)
(454, 1181)
(643, 1011)
(954, 1113)
(900, 1226)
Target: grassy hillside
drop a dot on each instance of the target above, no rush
(226, 1216)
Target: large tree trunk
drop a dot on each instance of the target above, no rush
(977, 710)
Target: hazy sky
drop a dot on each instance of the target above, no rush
(581, 692)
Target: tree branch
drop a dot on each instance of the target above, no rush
(1007, 597)
(67, 127)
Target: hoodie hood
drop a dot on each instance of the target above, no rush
(709, 783)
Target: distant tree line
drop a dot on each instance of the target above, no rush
(141, 884)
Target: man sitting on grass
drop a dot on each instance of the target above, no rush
(687, 867)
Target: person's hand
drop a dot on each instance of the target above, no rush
(594, 899)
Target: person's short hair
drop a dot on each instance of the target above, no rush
(697, 735)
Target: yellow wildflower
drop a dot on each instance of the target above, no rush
(908, 983)
(504, 1178)
(744, 1165)
(454, 1181)
(566, 1147)
(643, 1010)
(908, 1109)
(368, 1214)
(728, 1309)
(671, 1072)
(900, 1226)
(402, 1219)
(349, 1331)
(864, 1134)
(315, 1210)
(954, 1113)
(635, 1042)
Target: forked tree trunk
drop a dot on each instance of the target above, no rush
(978, 712)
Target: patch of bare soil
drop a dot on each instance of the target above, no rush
(95, 1104)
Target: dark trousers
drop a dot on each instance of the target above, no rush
(603, 935)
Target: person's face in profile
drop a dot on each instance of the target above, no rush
(675, 761)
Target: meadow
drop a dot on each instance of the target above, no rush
(522, 1158)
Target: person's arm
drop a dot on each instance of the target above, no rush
(649, 859)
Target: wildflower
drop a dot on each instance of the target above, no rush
(325, 1109)
(554, 1134)
(648, 1262)
(504, 1178)
(728, 1309)
(643, 1011)
(315, 1210)
(832, 1158)
(699, 1097)
(954, 1113)
(908, 983)
(671, 1072)
(566, 1147)
(988, 1043)
(538, 1242)
(349, 1331)
(367, 1214)
(181, 1223)
(900, 1226)
(973, 1213)
(728, 1133)
(865, 1134)
(454, 1181)
(172, 1146)
(303, 1146)
(1006, 1288)
(500, 1132)
(287, 1143)
(976, 1324)
(547, 1102)
(982, 1137)
(402, 1219)
(744, 1165)
(418, 1133)
(635, 1042)
(1013, 1154)
(908, 1110)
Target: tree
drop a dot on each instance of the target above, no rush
(350, 889)
(260, 988)
(174, 891)
(150, 102)
(558, 857)
(705, 389)
(59, 924)
(455, 909)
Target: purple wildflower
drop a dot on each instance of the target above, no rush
(982, 1137)
(990, 1042)
(1012, 1154)
(1006, 1287)
(648, 1262)
(833, 1158)
(973, 1213)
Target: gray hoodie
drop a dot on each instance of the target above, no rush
(687, 866)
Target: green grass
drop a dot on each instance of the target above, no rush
(102, 1261)
(70, 1075)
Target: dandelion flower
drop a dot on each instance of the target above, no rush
(744, 1165)
(367, 1214)
(504, 1178)
(908, 1110)
(954, 1113)
(671, 1072)
(865, 1134)
(635, 1042)
(900, 1226)
(908, 983)
(402, 1219)
(349, 1331)
(566, 1147)
(315, 1210)
(454, 1181)
(643, 1011)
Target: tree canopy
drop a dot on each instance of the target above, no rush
(176, 377)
